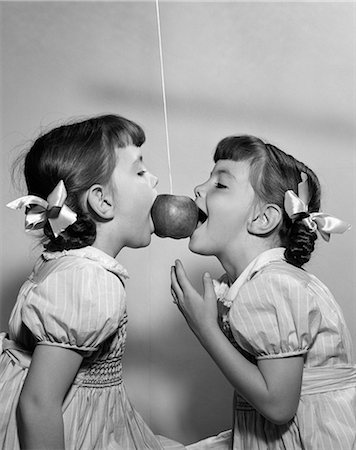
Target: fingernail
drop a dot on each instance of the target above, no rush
(207, 275)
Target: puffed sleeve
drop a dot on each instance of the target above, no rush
(275, 315)
(77, 308)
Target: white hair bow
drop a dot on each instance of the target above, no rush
(38, 210)
(296, 205)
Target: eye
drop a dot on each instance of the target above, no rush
(141, 173)
(220, 186)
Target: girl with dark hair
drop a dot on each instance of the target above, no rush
(274, 330)
(61, 365)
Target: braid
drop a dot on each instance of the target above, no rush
(300, 244)
(80, 234)
(301, 239)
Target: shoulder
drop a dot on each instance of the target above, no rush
(276, 312)
(283, 275)
(74, 302)
(72, 269)
(73, 285)
(281, 286)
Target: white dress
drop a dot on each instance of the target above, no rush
(275, 310)
(76, 299)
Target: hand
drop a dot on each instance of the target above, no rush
(200, 312)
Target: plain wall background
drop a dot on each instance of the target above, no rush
(283, 71)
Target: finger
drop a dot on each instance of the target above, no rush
(174, 281)
(209, 291)
(181, 276)
(175, 298)
(176, 291)
(175, 288)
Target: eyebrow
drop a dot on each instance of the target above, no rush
(138, 160)
(223, 172)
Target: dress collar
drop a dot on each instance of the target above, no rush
(272, 255)
(106, 261)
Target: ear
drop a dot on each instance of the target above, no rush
(100, 202)
(265, 220)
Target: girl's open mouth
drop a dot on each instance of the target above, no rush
(202, 217)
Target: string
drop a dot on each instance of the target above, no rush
(164, 97)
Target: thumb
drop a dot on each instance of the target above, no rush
(209, 292)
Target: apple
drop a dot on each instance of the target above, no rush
(174, 216)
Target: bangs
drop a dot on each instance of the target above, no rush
(238, 148)
(120, 132)
(246, 148)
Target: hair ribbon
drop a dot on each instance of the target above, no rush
(38, 210)
(297, 206)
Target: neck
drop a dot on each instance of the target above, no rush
(236, 259)
(107, 244)
(106, 249)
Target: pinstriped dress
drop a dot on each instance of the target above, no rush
(76, 299)
(275, 310)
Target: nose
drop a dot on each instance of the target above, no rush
(154, 181)
(199, 191)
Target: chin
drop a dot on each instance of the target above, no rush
(195, 248)
(144, 242)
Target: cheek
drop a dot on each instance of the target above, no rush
(219, 210)
(225, 224)
(143, 200)
(147, 195)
